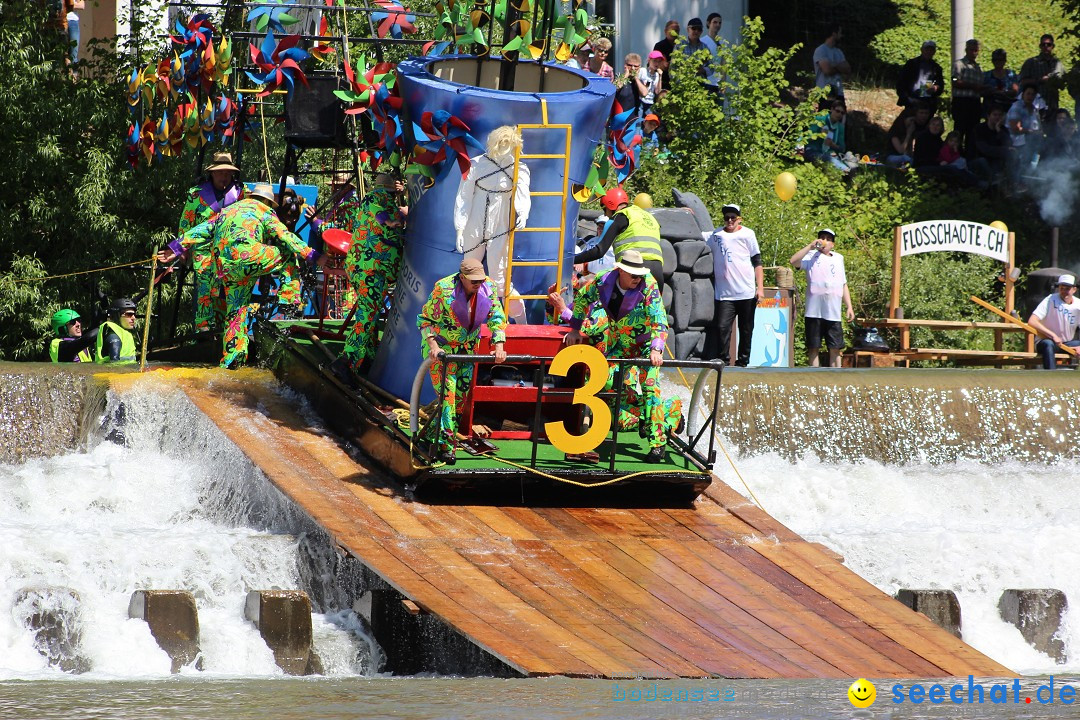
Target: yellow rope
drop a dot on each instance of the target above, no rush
(575, 482)
(82, 272)
(266, 151)
(146, 323)
(717, 436)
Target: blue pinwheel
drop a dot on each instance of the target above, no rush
(273, 17)
(441, 139)
(393, 19)
(279, 63)
(624, 143)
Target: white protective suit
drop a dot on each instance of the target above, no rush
(482, 217)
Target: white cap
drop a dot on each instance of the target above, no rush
(1067, 280)
(731, 206)
(827, 230)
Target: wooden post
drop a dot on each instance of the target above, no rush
(894, 297)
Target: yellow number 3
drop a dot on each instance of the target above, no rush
(597, 364)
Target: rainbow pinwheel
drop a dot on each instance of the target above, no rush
(197, 34)
(393, 19)
(624, 143)
(575, 30)
(225, 118)
(385, 119)
(441, 139)
(279, 63)
(364, 84)
(147, 140)
(271, 16)
(133, 145)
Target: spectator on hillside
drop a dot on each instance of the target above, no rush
(1044, 72)
(992, 146)
(950, 155)
(898, 150)
(1002, 84)
(713, 23)
(921, 79)
(649, 76)
(928, 144)
(1057, 318)
(1025, 131)
(830, 66)
(630, 90)
(695, 42)
(1060, 140)
(967, 91)
(826, 286)
(830, 147)
(601, 48)
(665, 47)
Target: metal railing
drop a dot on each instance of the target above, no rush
(688, 448)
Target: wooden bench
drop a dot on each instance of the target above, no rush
(997, 356)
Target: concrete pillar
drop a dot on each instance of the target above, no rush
(284, 621)
(173, 621)
(963, 29)
(53, 615)
(1037, 614)
(940, 606)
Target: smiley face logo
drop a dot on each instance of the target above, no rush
(862, 693)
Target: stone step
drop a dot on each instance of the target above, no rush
(173, 621)
(283, 618)
(1037, 614)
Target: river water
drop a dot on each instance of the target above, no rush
(182, 508)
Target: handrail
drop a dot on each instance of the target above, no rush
(705, 461)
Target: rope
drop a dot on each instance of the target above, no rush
(719, 441)
(146, 322)
(575, 482)
(266, 151)
(83, 272)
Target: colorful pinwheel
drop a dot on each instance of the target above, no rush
(322, 51)
(455, 27)
(133, 145)
(393, 19)
(225, 118)
(624, 142)
(364, 84)
(441, 139)
(271, 16)
(279, 63)
(385, 119)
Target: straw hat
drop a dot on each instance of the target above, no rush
(222, 161)
(264, 192)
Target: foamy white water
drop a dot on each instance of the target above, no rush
(971, 528)
(113, 520)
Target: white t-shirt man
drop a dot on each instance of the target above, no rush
(1058, 316)
(825, 281)
(834, 56)
(733, 273)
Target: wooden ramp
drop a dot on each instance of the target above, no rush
(719, 589)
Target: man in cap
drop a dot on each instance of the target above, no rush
(696, 41)
(622, 314)
(826, 286)
(240, 237)
(70, 343)
(921, 79)
(450, 322)
(217, 191)
(1057, 318)
(630, 228)
(967, 92)
(115, 341)
(738, 284)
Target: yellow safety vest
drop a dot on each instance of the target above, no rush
(127, 344)
(54, 352)
(642, 234)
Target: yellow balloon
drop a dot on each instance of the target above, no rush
(643, 200)
(1000, 226)
(785, 186)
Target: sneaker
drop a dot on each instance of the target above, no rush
(681, 426)
(656, 455)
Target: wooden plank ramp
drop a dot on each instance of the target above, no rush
(719, 589)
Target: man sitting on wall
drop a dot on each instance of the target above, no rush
(1057, 318)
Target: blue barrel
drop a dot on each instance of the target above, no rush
(460, 85)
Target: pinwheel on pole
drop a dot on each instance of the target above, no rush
(279, 63)
(393, 19)
(441, 139)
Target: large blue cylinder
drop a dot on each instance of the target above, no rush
(463, 86)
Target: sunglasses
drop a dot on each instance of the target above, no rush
(731, 217)
(129, 313)
(1046, 44)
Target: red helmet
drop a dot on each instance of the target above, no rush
(613, 198)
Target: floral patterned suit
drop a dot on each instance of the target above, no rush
(639, 327)
(449, 315)
(202, 204)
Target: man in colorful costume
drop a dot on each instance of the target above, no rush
(450, 322)
(70, 343)
(238, 237)
(622, 314)
(372, 264)
(204, 201)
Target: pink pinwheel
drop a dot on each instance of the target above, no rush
(364, 84)
(442, 138)
(393, 19)
(279, 63)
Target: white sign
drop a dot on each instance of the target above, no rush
(954, 236)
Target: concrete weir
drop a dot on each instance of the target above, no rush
(173, 621)
(715, 589)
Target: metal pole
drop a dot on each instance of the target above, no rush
(963, 26)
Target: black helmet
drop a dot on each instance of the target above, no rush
(121, 305)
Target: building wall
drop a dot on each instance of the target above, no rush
(639, 24)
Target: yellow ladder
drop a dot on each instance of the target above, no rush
(561, 193)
